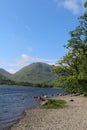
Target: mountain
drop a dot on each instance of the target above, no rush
(3, 77)
(6, 80)
(35, 73)
(4, 73)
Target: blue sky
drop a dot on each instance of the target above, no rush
(35, 30)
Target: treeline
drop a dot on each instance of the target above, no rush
(72, 68)
(7, 82)
(10, 82)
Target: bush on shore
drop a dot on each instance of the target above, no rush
(54, 104)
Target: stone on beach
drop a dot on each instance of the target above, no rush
(73, 117)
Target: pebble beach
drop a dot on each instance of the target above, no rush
(72, 117)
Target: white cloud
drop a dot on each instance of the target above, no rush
(12, 71)
(72, 6)
(26, 60)
(75, 6)
(25, 57)
(18, 63)
(35, 59)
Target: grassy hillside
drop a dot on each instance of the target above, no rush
(35, 73)
(4, 73)
(5, 80)
(3, 77)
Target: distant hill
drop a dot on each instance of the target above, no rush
(35, 73)
(3, 77)
(6, 80)
(4, 73)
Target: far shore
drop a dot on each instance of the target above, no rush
(73, 117)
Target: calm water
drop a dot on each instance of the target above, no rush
(15, 100)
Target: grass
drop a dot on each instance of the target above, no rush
(54, 104)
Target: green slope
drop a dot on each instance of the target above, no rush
(4, 73)
(3, 77)
(35, 73)
(5, 80)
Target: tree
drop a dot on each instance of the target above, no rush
(72, 68)
(85, 4)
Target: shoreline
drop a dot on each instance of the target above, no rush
(73, 117)
(30, 99)
(16, 122)
(22, 117)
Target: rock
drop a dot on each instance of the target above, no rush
(71, 100)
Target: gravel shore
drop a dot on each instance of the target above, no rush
(73, 117)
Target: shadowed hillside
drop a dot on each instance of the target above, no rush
(4, 73)
(6, 80)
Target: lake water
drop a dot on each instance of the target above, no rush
(15, 100)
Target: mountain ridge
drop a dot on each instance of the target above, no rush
(36, 73)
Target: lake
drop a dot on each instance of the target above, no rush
(15, 100)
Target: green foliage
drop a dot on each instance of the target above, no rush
(85, 4)
(54, 104)
(72, 68)
(85, 14)
(85, 94)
